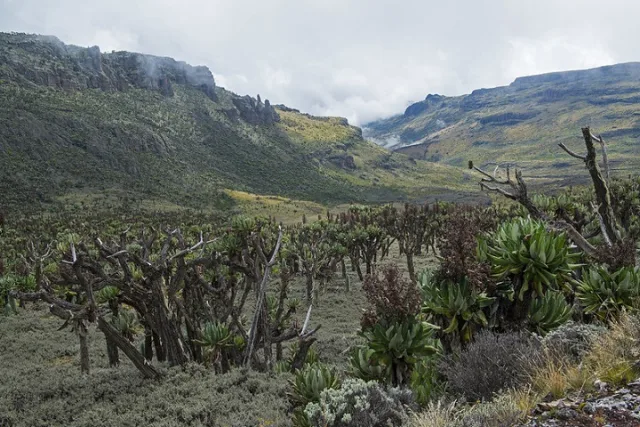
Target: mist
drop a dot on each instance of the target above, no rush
(362, 60)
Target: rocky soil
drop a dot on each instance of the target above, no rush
(605, 408)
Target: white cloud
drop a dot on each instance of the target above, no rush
(361, 59)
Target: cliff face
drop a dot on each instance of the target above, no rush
(46, 61)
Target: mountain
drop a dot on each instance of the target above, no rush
(77, 121)
(521, 124)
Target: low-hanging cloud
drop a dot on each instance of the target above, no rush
(361, 59)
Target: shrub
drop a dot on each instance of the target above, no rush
(457, 245)
(606, 294)
(426, 381)
(572, 341)
(507, 409)
(400, 346)
(491, 363)
(534, 258)
(360, 404)
(437, 414)
(364, 365)
(457, 307)
(391, 297)
(548, 312)
(309, 383)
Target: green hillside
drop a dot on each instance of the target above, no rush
(75, 121)
(521, 124)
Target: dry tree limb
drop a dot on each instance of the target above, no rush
(127, 348)
(603, 197)
(603, 210)
(260, 301)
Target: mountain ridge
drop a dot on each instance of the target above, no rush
(75, 120)
(521, 124)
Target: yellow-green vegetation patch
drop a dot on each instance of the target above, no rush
(283, 209)
(316, 131)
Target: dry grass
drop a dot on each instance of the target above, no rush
(437, 414)
(550, 378)
(507, 408)
(614, 354)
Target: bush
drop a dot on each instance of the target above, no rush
(391, 297)
(457, 307)
(491, 363)
(426, 382)
(508, 409)
(548, 312)
(437, 414)
(310, 382)
(529, 255)
(360, 404)
(572, 341)
(606, 295)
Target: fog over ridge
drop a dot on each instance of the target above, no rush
(358, 59)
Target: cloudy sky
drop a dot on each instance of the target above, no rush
(361, 59)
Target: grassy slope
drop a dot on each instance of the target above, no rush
(180, 150)
(375, 167)
(522, 123)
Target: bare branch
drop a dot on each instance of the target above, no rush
(188, 250)
(74, 256)
(306, 320)
(571, 153)
(116, 254)
(603, 228)
(498, 190)
(605, 158)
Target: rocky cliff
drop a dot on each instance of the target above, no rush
(46, 61)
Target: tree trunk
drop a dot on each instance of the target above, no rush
(410, 266)
(161, 354)
(112, 353)
(309, 287)
(128, 349)
(168, 331)
(301, 354)
(84, 347)
(601, 188)
(148, 343)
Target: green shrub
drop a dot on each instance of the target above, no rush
(426, 382)
(605, 294)
(360, 404)
(310, 381)
(400, 346)
(548, 312)
(459, 306)
(363, 365)
(524, 250)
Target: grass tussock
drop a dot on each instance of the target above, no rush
(614, 355)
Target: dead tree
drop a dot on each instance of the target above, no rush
(517, 190)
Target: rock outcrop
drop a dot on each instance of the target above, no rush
(430, 101)
(71, 67)
(255, 112)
